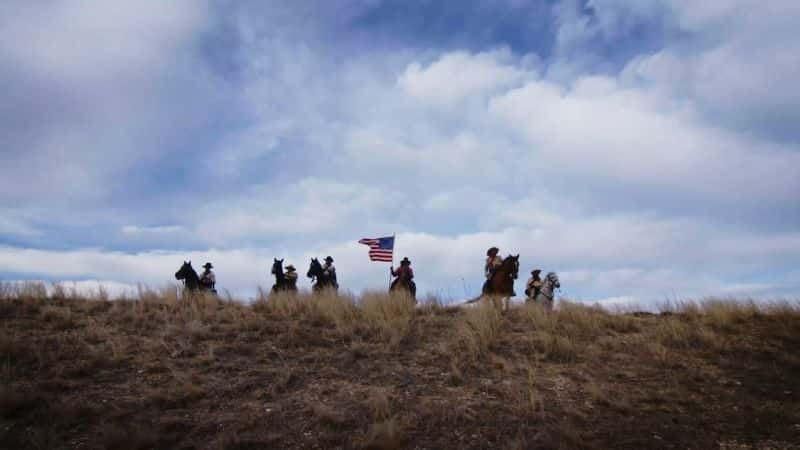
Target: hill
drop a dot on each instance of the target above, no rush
(333, 372)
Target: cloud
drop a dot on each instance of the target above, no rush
(88, 92)
(636, 149)
(600, 130)
(155, 230)
(459, 75)
(638, 257)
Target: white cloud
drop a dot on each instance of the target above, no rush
(153, 230)
(89, 43)
(616, 134)
(459, 75)
(87, 91)
(627, 256)
(305, 207)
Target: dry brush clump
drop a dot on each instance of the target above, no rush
(476, 332)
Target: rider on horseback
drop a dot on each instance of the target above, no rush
(329, 271)
(534, 285)
(493, 262)
(404, 273)
(208, 280)
(291, 277)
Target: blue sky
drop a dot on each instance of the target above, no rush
(643, 150)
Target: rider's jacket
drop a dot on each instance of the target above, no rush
(492, 264)
(401, 271)
(208, 278)
(291, 276)
(533, 285)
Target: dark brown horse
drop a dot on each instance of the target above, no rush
(501, 285)
(404, 285)
(318, 277)
(281, 283)
(191, 282)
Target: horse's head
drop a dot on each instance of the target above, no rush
(314, 269)
(553, 279)
(184, 271)
(277, 267)
(511, 265)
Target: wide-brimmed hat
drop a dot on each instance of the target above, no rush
(328, 259)
(405, 261)
(535, 271)
(492, 250)
(290, 268)
(208, 265)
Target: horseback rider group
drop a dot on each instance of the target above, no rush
(404, 277)
(533, 288)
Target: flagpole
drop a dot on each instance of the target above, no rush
(394, 241)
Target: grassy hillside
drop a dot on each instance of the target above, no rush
(323, 372)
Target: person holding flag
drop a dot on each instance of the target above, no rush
(382, 250)
(404, 274)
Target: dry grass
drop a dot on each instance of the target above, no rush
(163, 370)
(476, 332)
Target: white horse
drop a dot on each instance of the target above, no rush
(546, 294)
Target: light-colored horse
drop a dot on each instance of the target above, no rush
(546, 294)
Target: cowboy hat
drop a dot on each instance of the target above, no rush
(405, 261)
(290, 268)
(328, 258)
(492, 250)
(535, 271)
(208, 265)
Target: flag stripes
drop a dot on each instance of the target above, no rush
(380, 249)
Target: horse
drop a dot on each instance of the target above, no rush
(281, 283)
(191, 281)
(547, 292)
(316, 272)
(501, 285)
(404, 285)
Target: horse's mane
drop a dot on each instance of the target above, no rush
(509, 259)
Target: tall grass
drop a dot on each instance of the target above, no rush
(476, 332)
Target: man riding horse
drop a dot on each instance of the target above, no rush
(284, 282)
(325, 275)
(493, 262)
(534, 285)
(192, 282)
(404, 278)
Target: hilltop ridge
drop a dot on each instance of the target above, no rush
(332, 372)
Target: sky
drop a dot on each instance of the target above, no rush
(645, 151)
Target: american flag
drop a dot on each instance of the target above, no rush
(380, 249)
